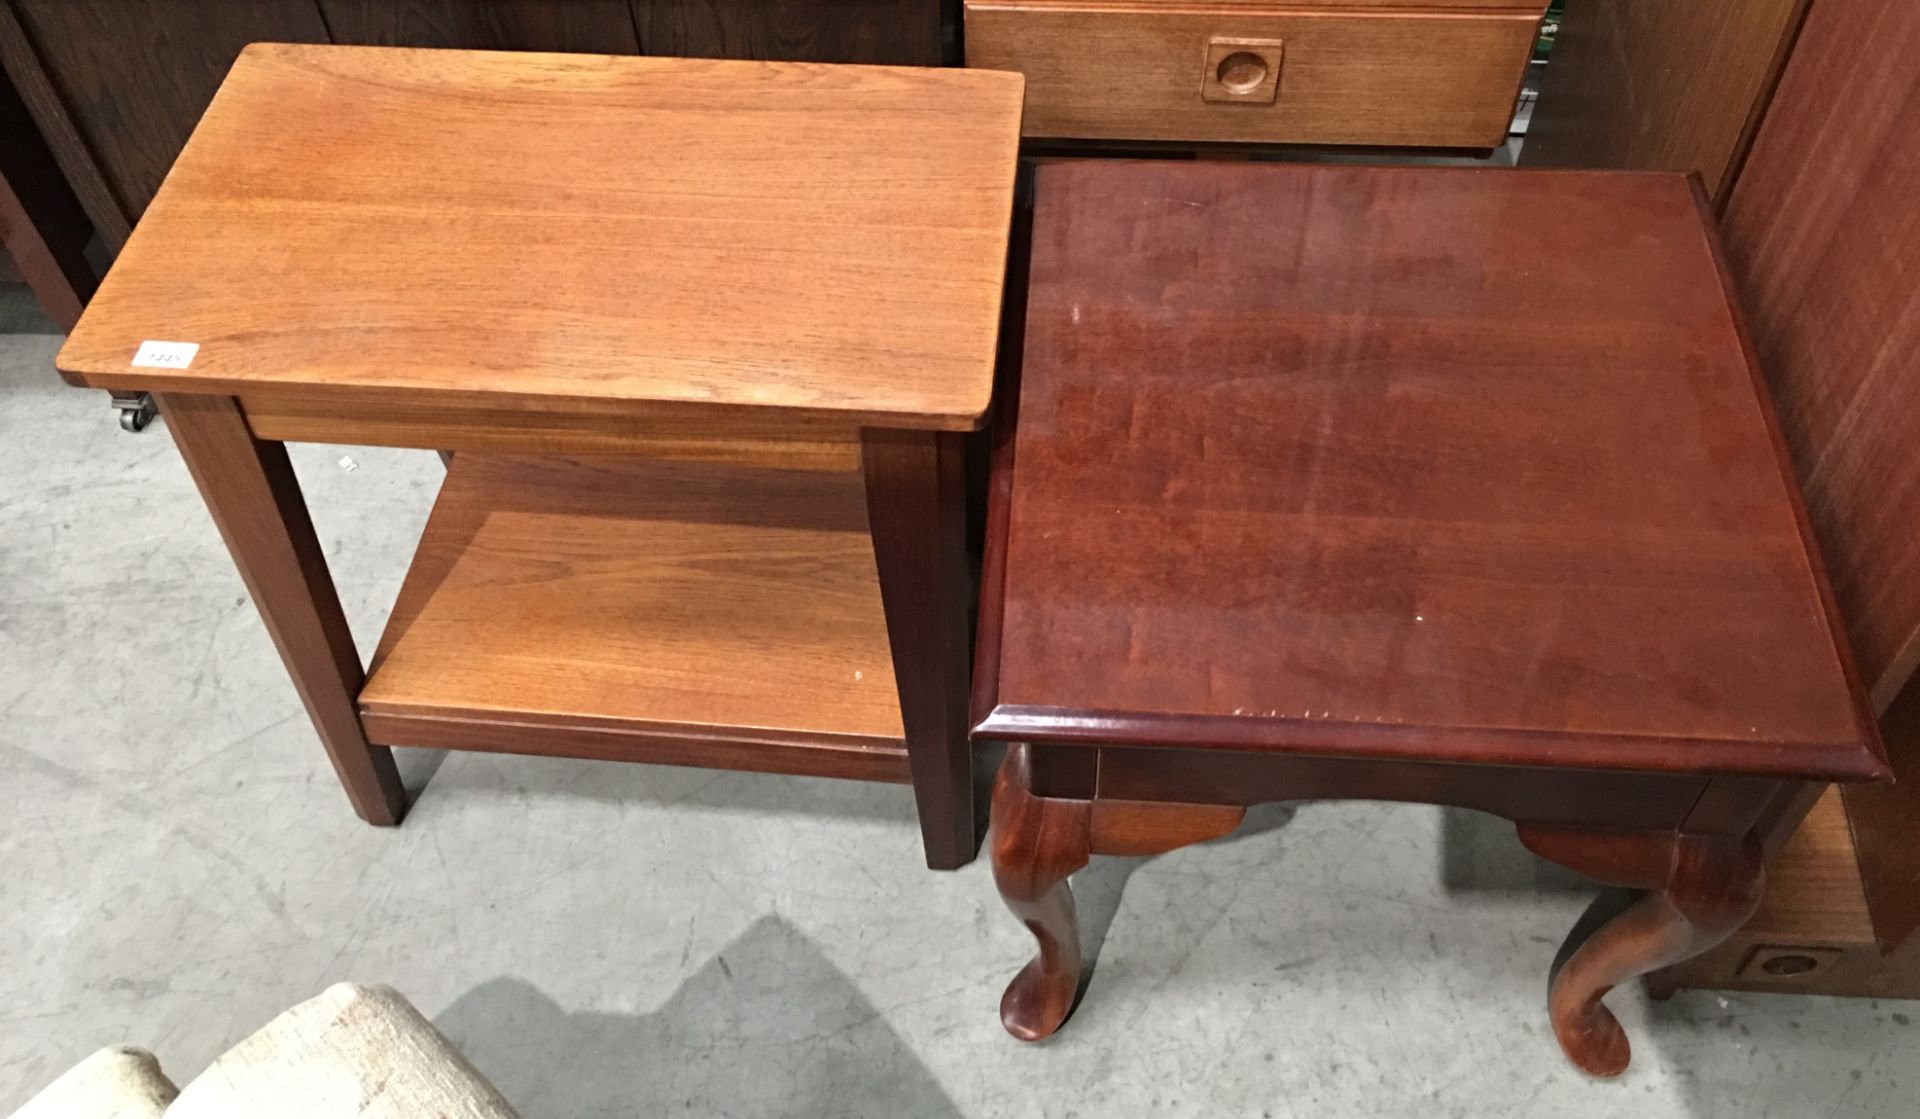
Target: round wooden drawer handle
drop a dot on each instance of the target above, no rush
(1241, 72)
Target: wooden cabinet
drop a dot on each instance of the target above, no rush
(1660, 85)
(1329, 72)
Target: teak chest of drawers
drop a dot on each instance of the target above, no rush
(704, 336)
(1436, 73)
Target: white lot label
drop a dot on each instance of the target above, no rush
(165, 355)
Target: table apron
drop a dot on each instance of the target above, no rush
(562, 427)
(1564, 797)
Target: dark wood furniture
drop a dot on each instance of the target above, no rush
(1402, 484)
(42, 227)
(709, 504)
(1801, 115)
(46, 234)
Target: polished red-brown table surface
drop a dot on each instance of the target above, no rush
(1434, 485)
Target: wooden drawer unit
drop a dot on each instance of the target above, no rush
(1440, 74)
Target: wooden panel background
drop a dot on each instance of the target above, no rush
(586, 26)
(886, 32)
(123, 82)
(135, 75)
(1673, 85)
(28, 77)
(42, 227)
(1822, 234)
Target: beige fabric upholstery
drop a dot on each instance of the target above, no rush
(119, 1082)
(347, 1053)
(350, 1053)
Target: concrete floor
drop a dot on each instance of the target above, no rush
(609, 940)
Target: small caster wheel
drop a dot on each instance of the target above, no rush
(136, 412)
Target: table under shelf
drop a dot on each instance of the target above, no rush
(640, 610)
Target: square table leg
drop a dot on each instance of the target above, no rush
(917, 509)
(250, 488)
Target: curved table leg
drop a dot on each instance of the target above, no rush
(1037, 843)
(1702, 888)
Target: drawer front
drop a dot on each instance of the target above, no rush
(1258, 73)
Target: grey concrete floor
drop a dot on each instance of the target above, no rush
(608, 940)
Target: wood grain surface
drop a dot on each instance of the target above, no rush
(569, 427)
(1351, 74)
(1822, 235)
(802, 755)
(916, 499)
(636, 595)
(1659, 85)
(1299, 469)
(706, 236)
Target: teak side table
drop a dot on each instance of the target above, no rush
(705, 337)
(1431, 485)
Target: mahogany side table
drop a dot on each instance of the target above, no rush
(1446, 486)
(705, 337)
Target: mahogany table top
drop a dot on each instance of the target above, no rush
(1426, 463)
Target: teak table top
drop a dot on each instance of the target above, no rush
(527, 229)
(1415, 463)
